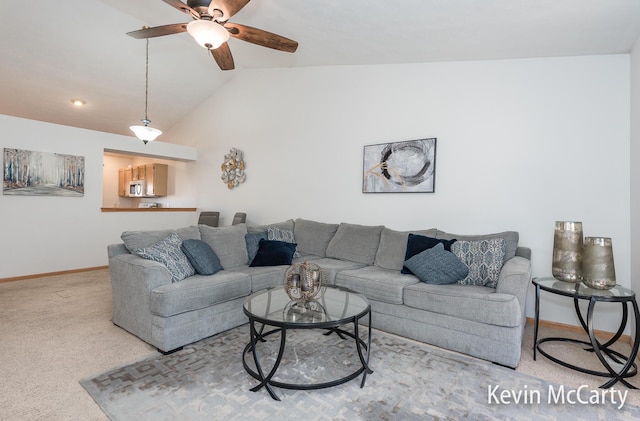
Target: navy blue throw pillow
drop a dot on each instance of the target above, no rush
(419, 243)
(201, 256)
(273, 253)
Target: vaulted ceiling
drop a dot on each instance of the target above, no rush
(53, 51)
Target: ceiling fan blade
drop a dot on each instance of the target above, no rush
(222, 56)
(158, 31)
(183, 8)
(261, 37)
(228, 7)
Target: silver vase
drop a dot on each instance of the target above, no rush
(567, 251)
(598, 270)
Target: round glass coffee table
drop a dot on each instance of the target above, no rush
(271, 311)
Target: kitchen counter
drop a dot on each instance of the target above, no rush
(148, 209)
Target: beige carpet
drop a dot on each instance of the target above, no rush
(56, 330)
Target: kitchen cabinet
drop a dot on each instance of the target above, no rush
(155, 176)
(124, 177)
(156, 179)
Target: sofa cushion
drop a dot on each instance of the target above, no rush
(393, 246)
(201, 257)
(437, 266)
(313, 237)
(419, 243)
(167, 252)
(279, 234)
(478, 303)
(331, 267)
(263, 277)
(376, 283)
(252, 240)
(511, 239)
(198, 292)
(274, 253)
(138, 239)
(484, 258)
(228, 243)
(357, 243)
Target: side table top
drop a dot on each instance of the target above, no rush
(582, 291)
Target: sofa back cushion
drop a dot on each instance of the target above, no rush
(356, 243)
(393, 246)
(228, 243)
(139, 239)
(511, 239)
(313, 237)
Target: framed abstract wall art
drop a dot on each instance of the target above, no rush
(30, 173)
(400, 167)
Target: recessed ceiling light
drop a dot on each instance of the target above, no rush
(78, 102)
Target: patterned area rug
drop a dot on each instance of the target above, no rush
(411, 380)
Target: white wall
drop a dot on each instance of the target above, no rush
(521, 144)
(635, 169)
(49, 234)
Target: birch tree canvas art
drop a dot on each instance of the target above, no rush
(31, 173)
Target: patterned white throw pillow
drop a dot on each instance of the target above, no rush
(484, 259)
(168, 253)
(279, 234)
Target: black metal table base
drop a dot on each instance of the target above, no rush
(627, 363)
(266, 379)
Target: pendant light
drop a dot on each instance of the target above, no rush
(146, 133)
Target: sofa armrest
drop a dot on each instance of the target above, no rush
(515, 278)
(132, 280)
(116, 249)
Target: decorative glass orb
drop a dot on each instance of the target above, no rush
(302, 281)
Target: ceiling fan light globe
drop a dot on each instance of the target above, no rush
(208, 34)
(145, 133)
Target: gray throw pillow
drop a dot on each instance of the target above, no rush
(511, 239)
(253, 242)
(168, 253)
(484, 259)
(201, 256)
(437, 266)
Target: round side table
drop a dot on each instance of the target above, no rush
(625, 366)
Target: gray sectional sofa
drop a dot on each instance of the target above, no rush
(482, 320)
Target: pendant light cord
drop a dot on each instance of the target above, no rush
(146, 85)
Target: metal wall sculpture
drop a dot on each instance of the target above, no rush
(233, 169)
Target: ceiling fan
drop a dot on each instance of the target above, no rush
(211, 29)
